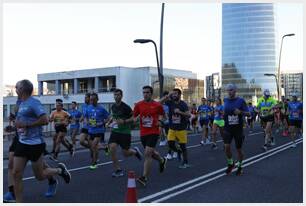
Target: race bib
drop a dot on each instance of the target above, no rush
(147, 122)
(233, 119)
(176, 119)
(295, 115)
(93, 122)
(57, 121)
(203, 115)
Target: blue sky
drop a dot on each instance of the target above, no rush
(40, 38)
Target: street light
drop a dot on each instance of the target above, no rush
(279, 61)
(277, 85)
(160, 76)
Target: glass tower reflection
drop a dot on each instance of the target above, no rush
(248, 48)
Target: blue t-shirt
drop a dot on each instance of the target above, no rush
(252, 110)
(218, 115)
(166, 110)
(231, 119)
(204, 112)
(295, 110)
(75, 116)
(84, 109)
(95, 116)
(29, 111)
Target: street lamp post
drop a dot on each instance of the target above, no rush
(160, 75)
(279, 61)
(277, 85)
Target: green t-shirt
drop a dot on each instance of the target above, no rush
(122, 111)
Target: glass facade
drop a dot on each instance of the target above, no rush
(192, 89)
(248, 48)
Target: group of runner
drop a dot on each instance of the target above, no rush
(169, 113)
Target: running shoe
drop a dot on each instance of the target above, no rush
(202, 143)
(214, 146)
(265, 147)
(142, 180)
(169, 157)
(162, 165)
(285, 133)
(163, 143)
(175, 155)
(93, 167)
(65, 174)
(239, 171)
(118, 173)
(51, 189)
(9, 198)
(138, 154)
(184, 166)
(229, 169)
(272, 141)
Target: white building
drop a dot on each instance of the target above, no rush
(72, 85)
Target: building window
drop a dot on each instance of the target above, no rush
(107, 84)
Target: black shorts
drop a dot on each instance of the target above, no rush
(269, 118)
(250, 121)
(149, 140)
(84, 130)
(296, 123)
(60, 128)
(14, 143)
(204, 122)
(100, 135)
(234, 133)
(124, 140)
(30, 152)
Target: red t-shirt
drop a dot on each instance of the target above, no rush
(149, 113)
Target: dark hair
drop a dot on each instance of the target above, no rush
(73, 102)
(165, 93)
(87, 95)
(26, 86)
(118, 90)
(94, 94)
(59, 100)
(177, 90)
(148, 87)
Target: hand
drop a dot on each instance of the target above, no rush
(20, 124)
(237, 112)
(120, 121)
(177, 110)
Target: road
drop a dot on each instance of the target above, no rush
(275, 176)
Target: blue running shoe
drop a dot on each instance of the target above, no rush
(51, 190)
(9, 197)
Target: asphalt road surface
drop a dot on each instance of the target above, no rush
(275, 176)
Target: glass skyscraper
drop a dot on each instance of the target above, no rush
(248, 48)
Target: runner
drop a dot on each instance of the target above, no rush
(211, 113)
(234, 109)
(179, 115)
(295, 118)
(60, 119)
(218, 122)
(164, 125)
(194, 118)
(251, 118)
(149, 111)
(96, 116)
(84, 136)
(265, 105)
(203, 112)
(121, 132)
(285, 116)
(75, 116)
(30, 145)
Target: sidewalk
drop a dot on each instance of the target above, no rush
(49, 143)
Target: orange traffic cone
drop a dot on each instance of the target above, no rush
(131, 196)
